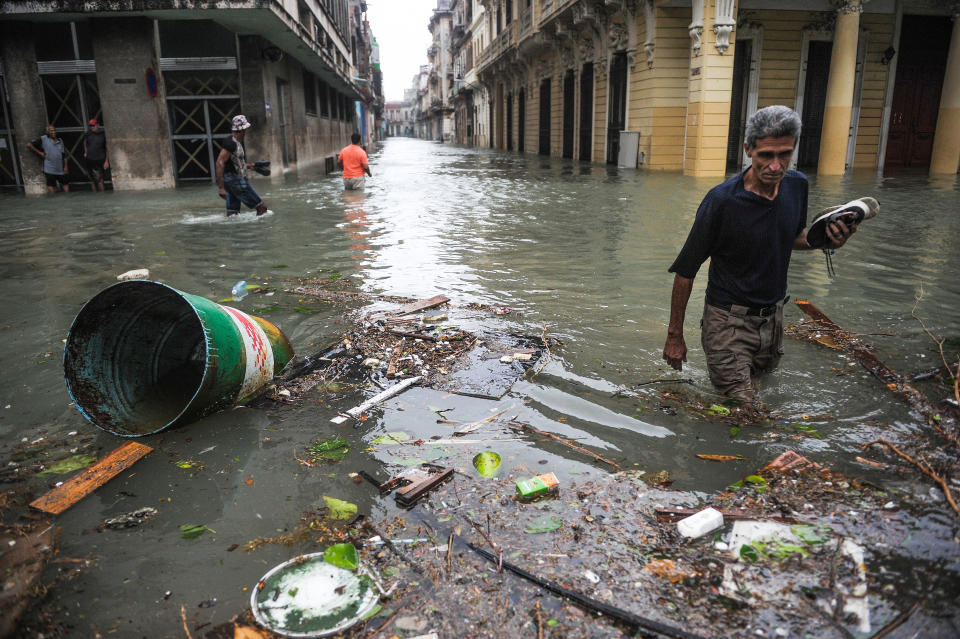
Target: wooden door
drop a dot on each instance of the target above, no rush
(509, 121)
(814, 100)
(521, 120)
(738, 103)
(921, 64)
(569, 83)
(544, 140)
(586, 112)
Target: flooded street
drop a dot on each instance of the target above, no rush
(577, 251)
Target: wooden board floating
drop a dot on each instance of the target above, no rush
(79, 486)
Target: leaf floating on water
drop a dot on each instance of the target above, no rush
(342, 556)
(721, 457)
(717, 409)
(339, 509)
(392, 438)
(809, 430)
(487, 464)
(68, 465)
(545, 524)
(812, 535)
(192, 531)
(329, 450)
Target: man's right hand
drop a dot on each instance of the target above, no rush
(222, 192)
(675, 352)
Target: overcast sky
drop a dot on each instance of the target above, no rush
(400, 27)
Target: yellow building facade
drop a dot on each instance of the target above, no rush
(669, 84)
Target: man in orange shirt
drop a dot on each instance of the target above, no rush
(353, 161)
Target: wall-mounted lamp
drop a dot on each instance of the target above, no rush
(272, 53)
(888, 54)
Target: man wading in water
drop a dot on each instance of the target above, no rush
(748, 227)
(232, 168)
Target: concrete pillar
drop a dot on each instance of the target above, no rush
(839, 101)
(138, 141)
(262, 142)
(710, 90)
(946, 139)
(26, 98)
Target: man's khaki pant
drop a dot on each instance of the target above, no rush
(353, 184)
(739, 347)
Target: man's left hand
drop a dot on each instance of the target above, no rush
(839, 232)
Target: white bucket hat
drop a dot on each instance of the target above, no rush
(240, 123)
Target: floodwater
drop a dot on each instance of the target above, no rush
(578, 250)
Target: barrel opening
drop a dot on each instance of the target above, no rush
(135, 358)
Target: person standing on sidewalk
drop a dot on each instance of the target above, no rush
(353, 161)
(95, 153)
(748, 226)
(50, 148)
(232, 169)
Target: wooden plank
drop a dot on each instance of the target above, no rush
(79, 486)
(420, 486)
(851, 344)
(422, 305)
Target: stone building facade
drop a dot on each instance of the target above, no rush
(165, 80)
(668, 84)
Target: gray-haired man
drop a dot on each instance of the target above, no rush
(748, 227)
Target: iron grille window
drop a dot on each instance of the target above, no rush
(309, 93)
(324, 98)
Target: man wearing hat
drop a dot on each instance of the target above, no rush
(95, 153)
(748, 227)
(232, 169)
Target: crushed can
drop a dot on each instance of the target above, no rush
(537, 487)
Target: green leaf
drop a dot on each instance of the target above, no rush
(757, 480)
(552, 622)
(306, 311)
(252, 287)
(412, 461)
(735, 486)
(487, 464)
(329, 450)
(342, 556)
(734, 431)
(717, 409)
(340, 509)
(373, 613)
(267, 309)
(391, 438)
(812, 535)
(68, 465)
(544, 524)
(749, 553)
(192, 531)
(809, 430)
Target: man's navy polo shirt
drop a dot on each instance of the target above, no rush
(748, 239)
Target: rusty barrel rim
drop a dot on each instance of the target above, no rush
(142, 356)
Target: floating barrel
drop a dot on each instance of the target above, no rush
(142, 356)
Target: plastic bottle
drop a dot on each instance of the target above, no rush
(700, 523)
(239, 290)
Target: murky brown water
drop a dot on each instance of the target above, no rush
(580, 249)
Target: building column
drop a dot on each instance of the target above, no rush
(839, 101)
(135, 122)
(946, 139)
(26, 98)
(710, 89)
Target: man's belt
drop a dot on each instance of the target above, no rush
(737, 309)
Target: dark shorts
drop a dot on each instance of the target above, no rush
(738, 347)
(52, 179)
(95, 169)
(239, 191)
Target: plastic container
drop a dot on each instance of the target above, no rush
(141, 357)
(700, 523)
(537, 487)
(239, 290)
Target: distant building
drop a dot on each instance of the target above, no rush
(670, 84)
(165, 81)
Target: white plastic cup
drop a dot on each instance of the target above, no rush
(700, 523)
